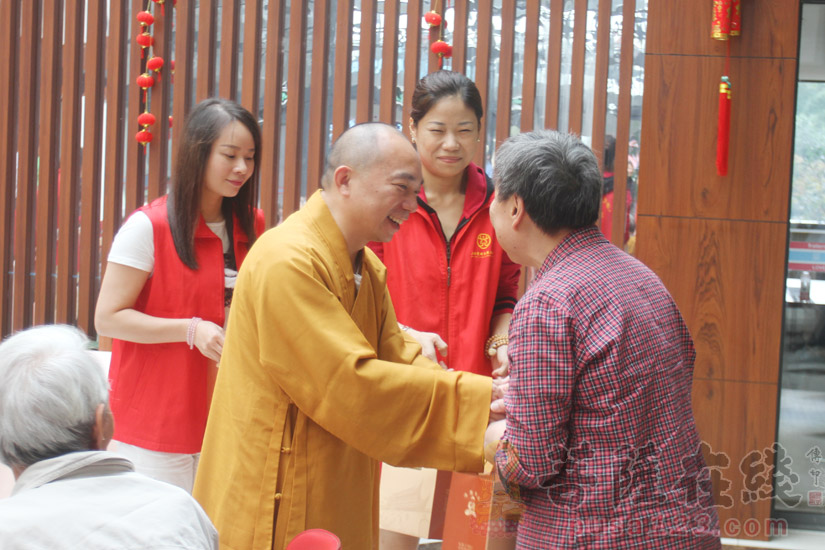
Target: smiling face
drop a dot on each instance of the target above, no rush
(382, 192)
(446, 138)
(231, 162)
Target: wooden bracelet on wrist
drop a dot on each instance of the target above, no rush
(494, 342)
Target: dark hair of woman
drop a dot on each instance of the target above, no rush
(202, 127)
(440, 84)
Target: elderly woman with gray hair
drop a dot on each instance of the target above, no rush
(56, 424)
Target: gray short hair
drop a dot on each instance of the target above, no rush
(50, 388)
(556, 175)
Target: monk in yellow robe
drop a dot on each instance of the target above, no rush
(317, 383)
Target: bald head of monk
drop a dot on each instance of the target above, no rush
(370, 184)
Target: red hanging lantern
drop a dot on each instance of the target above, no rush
(145, 18)
(145, 40)
(170, 121)
(161, 2)
(432, 18)
(145, 81)
(146, 119)
(155, 63)
(143, 137)
(441, 48)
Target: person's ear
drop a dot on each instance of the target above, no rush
(103, 428)
(517, 211)
(412, 130)
(341, 178)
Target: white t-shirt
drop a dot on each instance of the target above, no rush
(134, 245)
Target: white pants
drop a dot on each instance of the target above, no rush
(177, 469)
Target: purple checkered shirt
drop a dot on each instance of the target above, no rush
(601, 443)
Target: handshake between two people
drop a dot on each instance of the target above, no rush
(433, 345)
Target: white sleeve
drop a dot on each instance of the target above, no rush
(134, 243)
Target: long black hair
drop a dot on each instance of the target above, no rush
(202, 127)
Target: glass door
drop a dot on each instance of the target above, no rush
(799, 486)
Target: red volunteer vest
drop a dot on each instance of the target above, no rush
(159, 391)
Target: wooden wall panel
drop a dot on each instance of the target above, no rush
(727, 278)
(270, 133)
(230, 25)
(678, 161)
(205, 86)
(159, 104)
(27, 165)
(719, 243)
(94, 65)
(68, 193)
(296, 69)
(736, 418)
(49, 147)
(9, 17)
(769, 29)
(318, 85)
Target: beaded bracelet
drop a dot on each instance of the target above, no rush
(494, 342)
(190, 332)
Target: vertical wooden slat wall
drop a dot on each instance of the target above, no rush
(159, 106)
(9, 24)
(94, 73)
(48, 144)
(135, 153)
(228, 76)
(295, 108)
(318, 85)
(65, 243)
(485, 23)
(366, 62)
(270, 134)
(68, 195)
(250, 87)
(207, 38)
(184, 71)
(412, 57)
(26, 164)
(389, 63)
(505, 68)
(551, 107)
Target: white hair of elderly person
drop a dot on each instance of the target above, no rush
(69, 491)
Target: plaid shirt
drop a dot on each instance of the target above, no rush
(601, 444)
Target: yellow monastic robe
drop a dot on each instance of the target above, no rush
(311, 395)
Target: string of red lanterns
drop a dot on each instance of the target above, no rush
(154, 64)
(439, 47)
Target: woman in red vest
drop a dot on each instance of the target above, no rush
(167, 288)
(450, 282)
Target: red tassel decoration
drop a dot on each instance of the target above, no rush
(723, 132)
(162, 9)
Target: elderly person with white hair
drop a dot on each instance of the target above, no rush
(69, 491)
